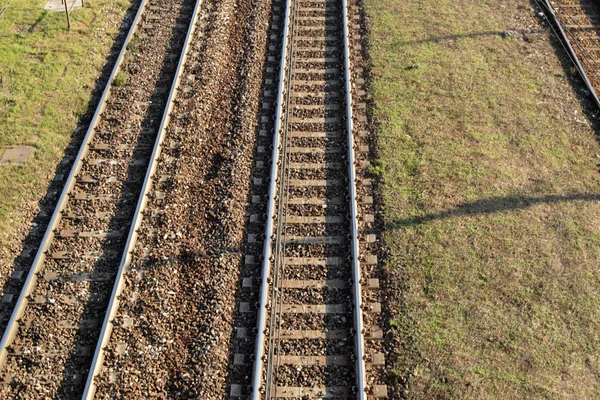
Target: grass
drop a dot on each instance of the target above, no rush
(47, 75)
(120, 79)
(490, 190)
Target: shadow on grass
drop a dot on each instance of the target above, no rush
(37, 21)
(436, 39)
(489, 206)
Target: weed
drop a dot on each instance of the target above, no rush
(376, 169)
(120, 79)
(133, 47)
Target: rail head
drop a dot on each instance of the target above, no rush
(569, 48)
(257, 373)
(30, 281)
(267, 249)
(356, 273)
(113, 305)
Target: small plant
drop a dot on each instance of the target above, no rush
(395, 323)
(133, 47)
(395, 375)
(120, 80)
(376, 170)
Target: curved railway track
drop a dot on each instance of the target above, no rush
(60, 319)
(578, 23)
(308, 292)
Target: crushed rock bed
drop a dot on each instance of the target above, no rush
(172, 331)
(34, 215)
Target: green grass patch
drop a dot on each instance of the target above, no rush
(120, 79)
(491, 204)
(47, 75)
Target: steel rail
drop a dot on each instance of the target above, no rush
(277, 292)
(113, 305)
(28, 286)
(356, 275)
(573, 54)
(585, 54)
(267, 248)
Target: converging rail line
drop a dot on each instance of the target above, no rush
(310, 340)
(62, 317)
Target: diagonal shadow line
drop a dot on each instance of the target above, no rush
(435, 39)
(491, 205)
(38, 21)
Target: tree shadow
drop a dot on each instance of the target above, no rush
(489, 206)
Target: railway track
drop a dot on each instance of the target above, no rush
(308, 261)
(61, 317)
(578, 23)
(171, 330)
